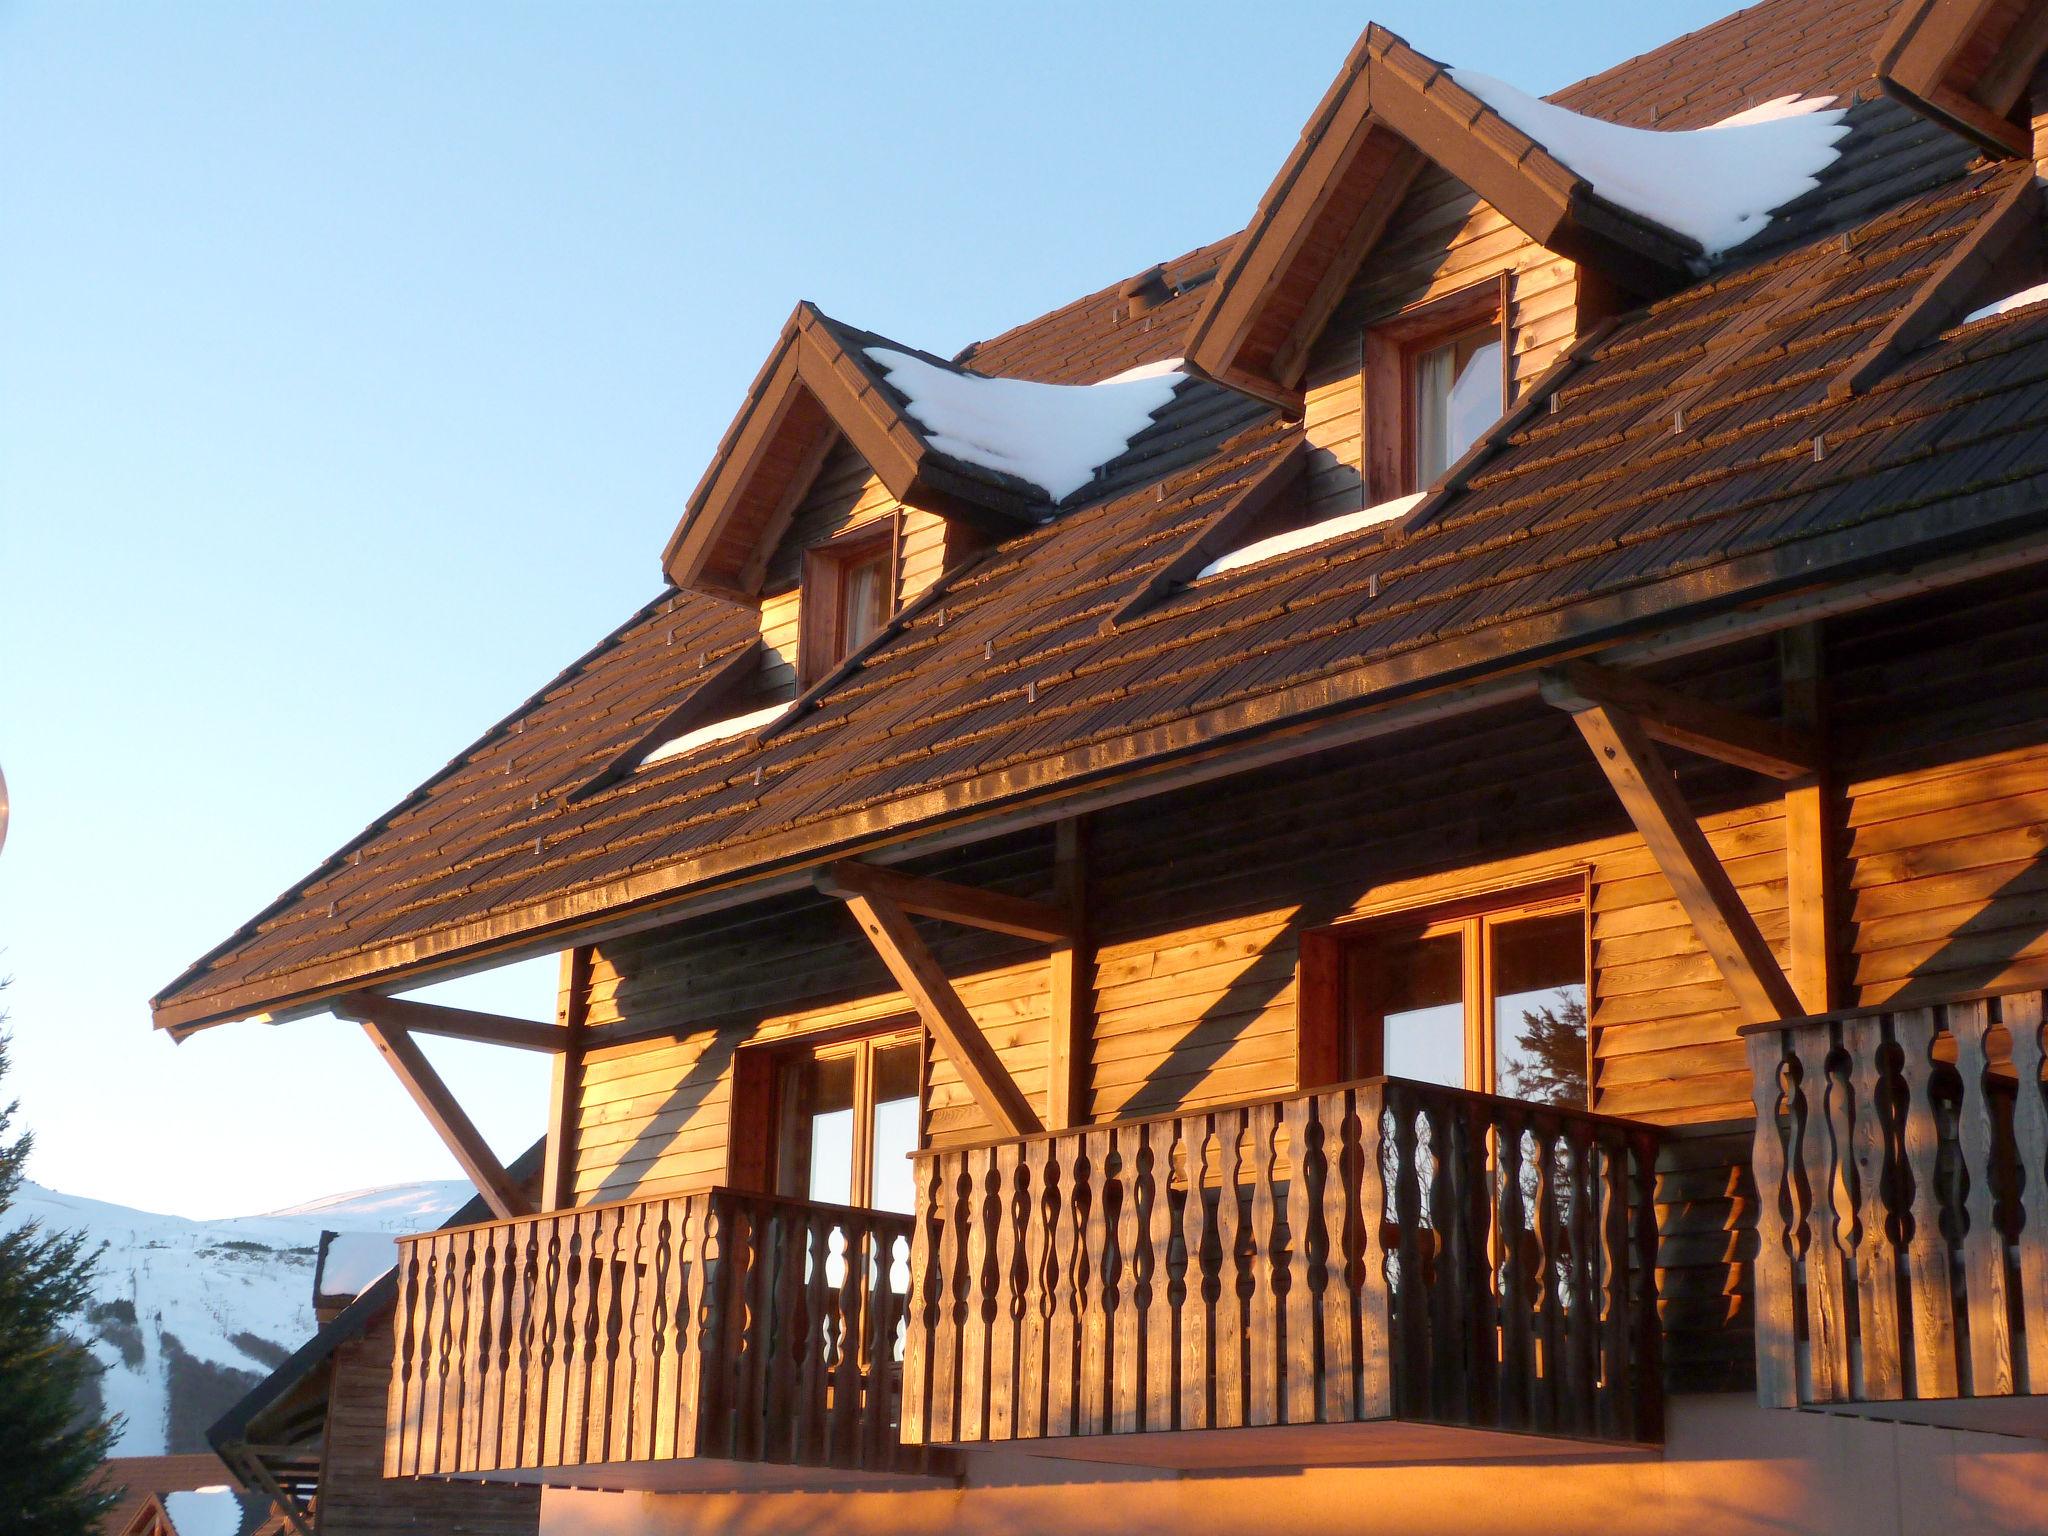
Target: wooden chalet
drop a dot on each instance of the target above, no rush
(1404, 854)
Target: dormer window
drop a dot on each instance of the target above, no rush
(1434, 382)
(1454, 394)
(846, 599)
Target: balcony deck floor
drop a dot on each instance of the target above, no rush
(1380, 1442)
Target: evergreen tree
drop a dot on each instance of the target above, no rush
(48, 1458)
(1550, 1065)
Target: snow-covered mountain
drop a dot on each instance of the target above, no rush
(187, 1315)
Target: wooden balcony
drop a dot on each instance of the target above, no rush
(1901, 1159)
(1380, 1271)
(718, 1340)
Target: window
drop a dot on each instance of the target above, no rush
(846, 1121)
(1434, 382)
(1486, 995)
(846, 599)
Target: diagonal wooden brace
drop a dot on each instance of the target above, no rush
(456, 1023)
(888, 928)
(455, 1128)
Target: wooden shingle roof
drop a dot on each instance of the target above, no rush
(1699, 456)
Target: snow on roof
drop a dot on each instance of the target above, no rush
(715, 730)
(1053, 435)
(354, 1260)
(2010, 302)
(1314, 533)
(213, 1511)
(1717, 184)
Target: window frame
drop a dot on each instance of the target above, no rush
(762, 1135)
(1390, 351)
(821, 598)
(1330, 981)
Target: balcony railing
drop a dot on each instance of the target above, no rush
(717, 1339)
(1383, 1254)
(1902, 1165)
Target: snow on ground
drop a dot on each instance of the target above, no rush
(204, 1511)
(2009, 303)
(235, 1293)
(1053, 435)
(1312, 534)
(1718, 184)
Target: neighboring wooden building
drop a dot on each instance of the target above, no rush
(1405, 853)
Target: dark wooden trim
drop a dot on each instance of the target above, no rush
(456, 1130)
(948, 900)
(1778, 751)
(821, 602)
(1391, 348)
(1926, 55)
(456, 1023)
(931, 993)
(1650, 795)
(565, 1082)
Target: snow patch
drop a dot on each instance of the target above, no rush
(1311, 535)
(1055, 436)
(2010, 302)
(211, 1511)
(355, 1261)
(715, 730)
(1157, 370)
(397, 1208)
(1717, 184)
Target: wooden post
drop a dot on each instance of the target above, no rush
(454, 1127)
(1809, 854)
(1650, 796)
(1072, 992)
(931, 993)
(565, 1087)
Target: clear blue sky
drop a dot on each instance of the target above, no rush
(355, 360)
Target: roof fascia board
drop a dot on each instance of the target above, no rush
(1898, 555)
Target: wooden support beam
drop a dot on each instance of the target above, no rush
(454, 1127)
(1690, 724)
(565, 1083)
(931, 993)
(456, 1023)
(1810, 894)
(948, 900)
(1650, 796)
(1071, 965)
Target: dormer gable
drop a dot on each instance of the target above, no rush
(820, 386)
(1617, 202)
(1969, 64)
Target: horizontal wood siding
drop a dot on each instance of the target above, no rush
(1443, 238)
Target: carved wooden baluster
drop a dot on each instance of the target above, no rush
(1935, 1365)
(1877, 1291)
(1510, 1263)
(811, 1241)
(1777, 1338)
(1617, 1399)
(1262, 1334)
(409, 1373)
(607, 1360)
(665, 1327)
(1582, 1311)
(854, 1239)
(1301, 1363)
(974, 1383)
(1126, 1321)
(697, 1253)
(1003, 1266)
(922, 1341)
(1196, 1309)
(1097, 1293)
(1992, 1371)
(1411, 1294)
(542, 1436)
(1227, 1352)
(1063, 1338)
(750, 1410)
(2022, 1016)
(1031, 1364)
(1449, 1367)
(952, 1275)
(1645, 1326)
(879, 1448)
(1823, 1153)
(644, 1285)
(1360, 1213)
(433, 1357)
(1157, 1374)
(1548, 1344)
